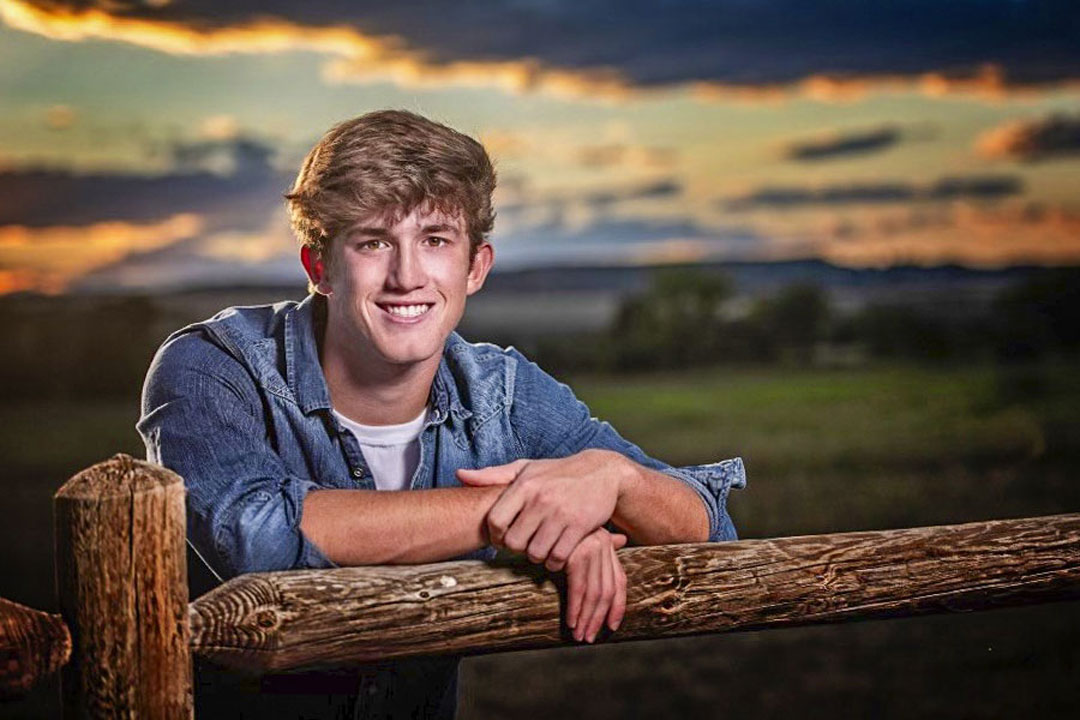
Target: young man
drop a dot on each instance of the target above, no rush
(356, 427)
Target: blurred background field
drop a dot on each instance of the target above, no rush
(880, 445)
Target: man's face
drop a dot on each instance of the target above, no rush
(397, 290)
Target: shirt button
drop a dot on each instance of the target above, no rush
(357, 473)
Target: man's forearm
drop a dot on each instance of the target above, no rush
(656, 509)
(375, 527)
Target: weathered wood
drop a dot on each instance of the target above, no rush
(33, 645)
(122, 580)
(308, 618)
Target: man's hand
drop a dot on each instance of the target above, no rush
(595, 585)
(551, 505)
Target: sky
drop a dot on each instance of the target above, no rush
(145, 145)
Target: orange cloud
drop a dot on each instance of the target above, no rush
(967, 234)
(357, 57)
(47, 259)
(1032, 138)
(22, 279)
(59, 117)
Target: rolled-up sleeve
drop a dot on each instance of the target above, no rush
(550, 421)
(713, 482)
(202, 417)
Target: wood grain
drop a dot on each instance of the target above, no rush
(33, 645)
(122, 581)
(309, 618)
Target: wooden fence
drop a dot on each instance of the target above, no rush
(122, 582)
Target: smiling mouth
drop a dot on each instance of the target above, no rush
(405, 312)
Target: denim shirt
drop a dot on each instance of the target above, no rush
(239, 407)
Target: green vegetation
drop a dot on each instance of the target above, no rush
(825, 450)
(868, 448)
(687, 318)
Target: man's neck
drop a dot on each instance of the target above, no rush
(371, 391)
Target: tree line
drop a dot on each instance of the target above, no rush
(684, 319)
(100, 347)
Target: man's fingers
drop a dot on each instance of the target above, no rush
(551, 563)
(520, 533)
(575, 592)
(606, 579)
(501, 515)
(618, 540)
(542, 541)
(564, 548)
(491, 475)
(618, 603)
(594, 583)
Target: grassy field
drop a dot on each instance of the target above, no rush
(873, 448)
(825, 450)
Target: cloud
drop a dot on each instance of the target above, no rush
(862, 142)
(522, 208)
(263, 255)
(1019, 233)
(1032, 139)
(60, 117)
(600, 199)
(612, 48)
(219, 127)
(227, 178)
(986, 187)
(611, 241)
(57, 226)
(626, 155)
(47, 259)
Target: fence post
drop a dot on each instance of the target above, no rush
(122, 579)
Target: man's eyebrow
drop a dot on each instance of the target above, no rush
(369, 231)
(438, 228)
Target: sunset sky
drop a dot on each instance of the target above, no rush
(145, 145)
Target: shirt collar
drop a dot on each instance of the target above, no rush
(304, 326)
(303, 371)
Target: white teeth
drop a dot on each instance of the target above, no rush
(407, 310)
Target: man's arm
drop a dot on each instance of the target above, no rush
(376, 527)
(591, 475)
(550, 505)
(654, 508)
(203, 418)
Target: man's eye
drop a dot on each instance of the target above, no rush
(436, 241)
(370, 244)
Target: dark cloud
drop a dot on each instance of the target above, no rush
(243, 156)
(744, 42)
(989, 187)
(188, 263)
(612, 241)
(250, 189)
(597, 200)
(1033, 140)
(852, 143)
(659, 189)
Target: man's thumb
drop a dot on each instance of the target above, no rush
(491, 475)
(618, 540)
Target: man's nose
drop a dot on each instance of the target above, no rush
(406, 269)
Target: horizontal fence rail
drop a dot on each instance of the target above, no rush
(33, 645)
(309, 618)
(121, 575)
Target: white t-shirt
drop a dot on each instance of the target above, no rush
(392, 451)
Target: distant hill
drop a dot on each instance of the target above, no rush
(542, 301)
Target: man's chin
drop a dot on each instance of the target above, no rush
(409, 355)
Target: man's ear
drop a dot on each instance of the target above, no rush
(481, 264)
(315, 269)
